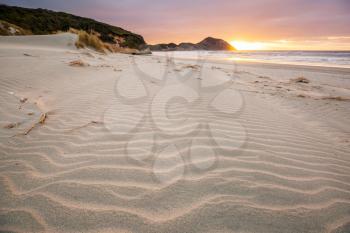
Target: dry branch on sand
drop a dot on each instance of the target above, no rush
(264, 77)
(85, 125)
(339, 98)
(78, 63)
(300, 80)
(194, 67)
(41, 121)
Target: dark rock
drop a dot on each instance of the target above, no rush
(211, 43)
(208, 43)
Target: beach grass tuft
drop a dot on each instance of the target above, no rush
(90, 40)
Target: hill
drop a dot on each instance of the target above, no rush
(208, 43)
(42, 21)
(8, 29)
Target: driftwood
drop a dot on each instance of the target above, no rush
(41, 121)
(300, 80)
(85, 125)
(78, 63)
(339, 98)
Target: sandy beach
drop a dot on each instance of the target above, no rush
(93, 142)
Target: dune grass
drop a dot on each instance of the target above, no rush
(93, 41)
(90, 40)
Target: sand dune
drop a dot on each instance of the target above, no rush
(152, 144)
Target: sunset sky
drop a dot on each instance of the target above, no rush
(255, 24)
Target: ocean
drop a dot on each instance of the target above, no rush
(310, 58)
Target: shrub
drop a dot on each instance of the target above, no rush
(8, 29)
(41, 21)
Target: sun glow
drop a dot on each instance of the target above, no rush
(245, 45)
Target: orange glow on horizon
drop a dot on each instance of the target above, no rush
(285, 44)
(245, 45)
(340, 43)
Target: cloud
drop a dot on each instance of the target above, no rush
(183, 20)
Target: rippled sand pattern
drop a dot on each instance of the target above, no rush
(72, 174)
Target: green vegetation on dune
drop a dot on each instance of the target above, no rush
(41, 21)
(8, 29)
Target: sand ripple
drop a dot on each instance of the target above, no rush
(265, 170)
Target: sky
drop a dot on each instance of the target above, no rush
(254, 24)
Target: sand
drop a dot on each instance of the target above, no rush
(120, 143)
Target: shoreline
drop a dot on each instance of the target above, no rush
(344, 70)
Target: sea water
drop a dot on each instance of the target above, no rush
(310, 58)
